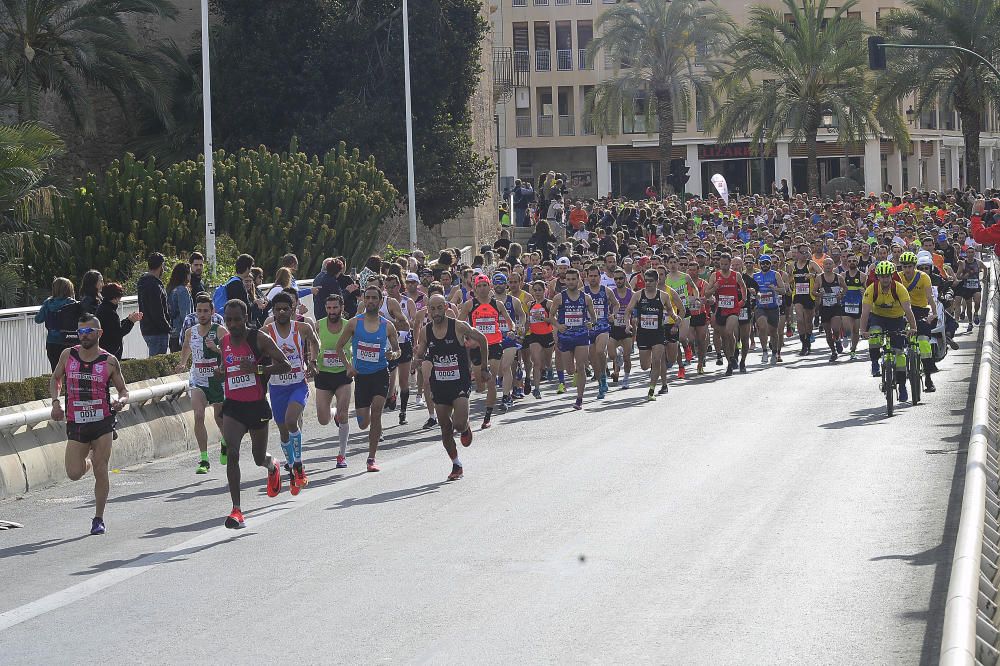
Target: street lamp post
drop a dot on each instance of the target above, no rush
(411, 192)
(206, 103)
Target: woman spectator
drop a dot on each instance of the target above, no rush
(113, 329)
(259, 307)
(62, 295)
(282, 280)
(179, 302)
(90, 291)
(542, 239)
(514, 253)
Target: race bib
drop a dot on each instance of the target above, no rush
(331, 360)
(239, 380)
(205, 369)
(727, 301)
(446, 369)
(620, 317)
(852, 308)
(801, 288)
(765, 298)
(538, 316)
(486, 326)
(88, 411)
(574, 318)
(650, 322)
(829, 300)
(695, 305)
(972, 284)
(368, 352)
(288, 378)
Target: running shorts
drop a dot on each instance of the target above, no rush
(646, 339)
(594, 332)
(806, 301)
(446, 393)
(282, 395)
(331, 381)
(252, 415)
(568, 344)
(544, 339)
(771, 314)
(699, 319)
(88, 433)
(671, 333)
(367, 387)
(405, 355)
(619, 333)
(495, 352)
(720, 319)
(213, 392)
(828, 312)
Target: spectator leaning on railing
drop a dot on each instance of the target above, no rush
(113, 329)
(90, 291)
(155, 323)
(179, 302)
(48, 314)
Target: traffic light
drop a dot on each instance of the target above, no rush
(876, 52)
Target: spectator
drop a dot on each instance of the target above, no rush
(90, 291)
(260, 307)
(325, 283)
(179, 302)
(503, 241)
(62, 295)
(282, 280)
(542, 240)
(578, 216)
(113, 329)
(348, 287)
(522, 197)
(291, 262)
(236, 287)
(198, 285)
(155, 322)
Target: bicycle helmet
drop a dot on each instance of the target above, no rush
(908, 258)
(499, 278)
(885, 268)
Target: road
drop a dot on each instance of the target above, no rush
(771, 518)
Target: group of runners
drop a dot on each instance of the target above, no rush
(682, 282)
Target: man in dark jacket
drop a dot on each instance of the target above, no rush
(155, 322)
(198, 283)
(325, 283)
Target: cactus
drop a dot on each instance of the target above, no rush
(269, 203)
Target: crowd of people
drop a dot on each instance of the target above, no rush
(672, 283)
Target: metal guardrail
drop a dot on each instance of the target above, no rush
(970, 635)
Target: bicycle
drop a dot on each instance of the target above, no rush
(914, 369)
(888, 364)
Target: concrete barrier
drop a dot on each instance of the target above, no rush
(158, 423)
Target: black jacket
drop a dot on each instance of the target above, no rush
(113, 329)
(153, 306)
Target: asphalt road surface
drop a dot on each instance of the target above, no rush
(771, 518)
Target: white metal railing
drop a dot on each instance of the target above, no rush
(522, 61)
(583, 60)
(523, 125)
(519, 3)
(970, 634)
(544, 125)
(564, 59)
(543, 60)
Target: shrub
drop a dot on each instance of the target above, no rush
(133, 370)
(268, 203)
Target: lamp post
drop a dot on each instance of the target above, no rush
(206, 105)
(411, 192)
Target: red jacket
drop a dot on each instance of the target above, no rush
(985, 235)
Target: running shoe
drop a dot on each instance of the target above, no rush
(680, 372)
(518, 394)
(97, 526)
(729, 369)
(601, 393)
(701, 369)
(625, 383)
(293, 483)
(929, 386)
(833, 356)
(952, 343)
(402, 418)
(430, 423)
(234, 520)
(486, 423)
(456, 473)
(578, 404)
(300, 475)
(664, 389)
(903, 395)
(969, 329)
(223, 455)
(341, 462)
(203, 467)
(467, 436)
(651, 396)
(561, 388)
(718, 359)
(390, 403)
(537, 394)
(854, 355)
(372, 467)
(420, 400)
(777, 358)
(688, 354)
(764, 357)
(975, 320)
(840, 347)
(503, 405)
(274, 480)
(743, 367)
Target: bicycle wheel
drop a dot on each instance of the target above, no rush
(888, 382)
(913, 372)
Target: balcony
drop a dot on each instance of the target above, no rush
(541, 3)
(523, 125)
(564, 59)
(522, 62)
(587, 126)
(562, 2)
(543, 60)
(583, 60)
(544, 125)
(583, 2)
(566, 126)
(519, 3)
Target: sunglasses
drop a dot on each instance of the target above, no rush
(86, 331)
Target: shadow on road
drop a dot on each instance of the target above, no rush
(390, 496)
(36, 547)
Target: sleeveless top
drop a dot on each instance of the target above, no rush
(241, 386)
(573, 314)
(293, 346)
(538, 318)
(767, 297)
(449, 359)
(829, 293)
(855, 292)
(680, 285)
(204, 361)
(369, 348)
(623, 302)
(329, 361)
(485, 318)
(803, 280)
(88, 388)
(649, 311)
(727, 293)
(601, 307)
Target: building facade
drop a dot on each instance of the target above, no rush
(543, 128)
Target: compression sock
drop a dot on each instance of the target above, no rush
(562, 377)
(404, 398)
(344, 429)
(289, 453)
(295, 439)
(489, 414)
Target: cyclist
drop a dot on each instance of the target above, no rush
(885, 310)
(921, 291)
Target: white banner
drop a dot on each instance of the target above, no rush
(720, 185)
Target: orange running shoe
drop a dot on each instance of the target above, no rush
(456, 473)
(372, 467)
(235, 519)
(299, 471)
(293, 482)
(274, 480)
(680, 372)
(467, 436)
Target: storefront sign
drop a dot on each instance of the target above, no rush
(732, 151)
(580, 179)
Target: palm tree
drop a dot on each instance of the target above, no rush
(179, 136)
(813, 66)
(74, 47)
(663, 53)
(945, 75)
